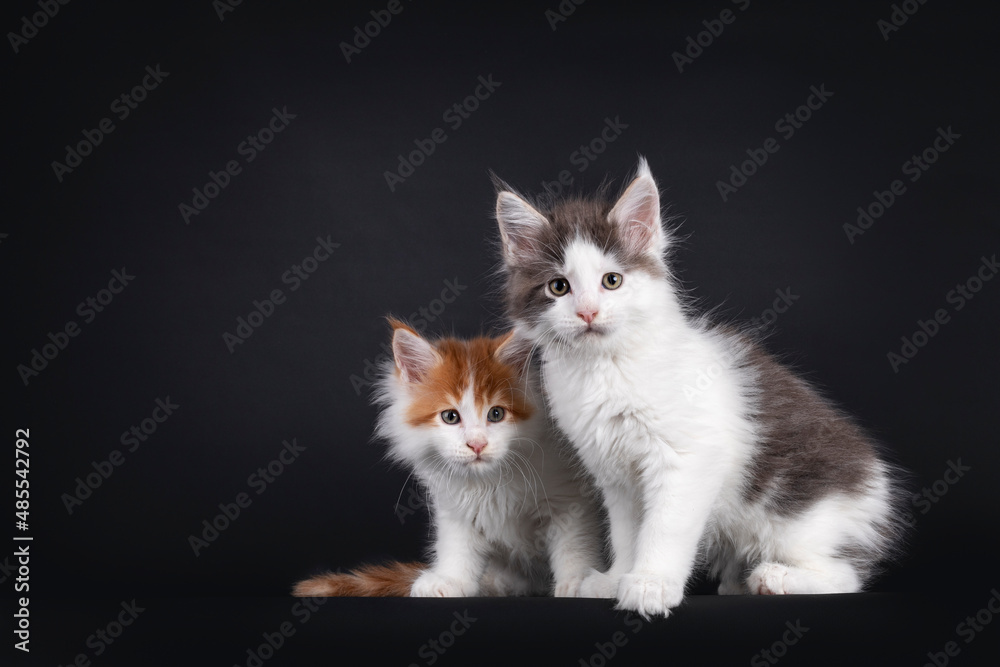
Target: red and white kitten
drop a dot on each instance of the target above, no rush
(511, 509)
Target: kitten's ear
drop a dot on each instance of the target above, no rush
(414, 356)
(637, 214)
(520, 228)
(515, 351)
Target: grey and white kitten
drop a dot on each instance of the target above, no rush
(757, 476)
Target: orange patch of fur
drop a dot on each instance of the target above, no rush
(493, 382)
(392, 580)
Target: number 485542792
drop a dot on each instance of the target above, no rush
(21, 459)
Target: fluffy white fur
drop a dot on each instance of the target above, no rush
(672, 469)
(518, 521)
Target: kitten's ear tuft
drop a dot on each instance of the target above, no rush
(398, 324)
(637, 214)
(515, 351)
(520, 228)
(414, 356)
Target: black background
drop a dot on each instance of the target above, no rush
(323, 176)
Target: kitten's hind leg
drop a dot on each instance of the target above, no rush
(829, 548)
(819, 575)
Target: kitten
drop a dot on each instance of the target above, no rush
(756, 475)
(511, 509)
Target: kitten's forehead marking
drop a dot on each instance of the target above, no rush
(469, 378)
(584, 263)
(468, 406)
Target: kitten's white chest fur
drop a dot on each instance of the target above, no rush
(627, 403)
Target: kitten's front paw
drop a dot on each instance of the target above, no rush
(599, 585)
(432, 585)
(570, 586)
(649, 594)
(768, 579)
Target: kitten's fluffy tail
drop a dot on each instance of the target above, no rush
(392, 580)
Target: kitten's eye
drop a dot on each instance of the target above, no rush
(559, 286)
(495, 414)
(612, 280)
(450, 417)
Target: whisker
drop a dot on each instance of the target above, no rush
(395, 508)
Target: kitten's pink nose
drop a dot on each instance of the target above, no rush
(477, 445)
(587, 314)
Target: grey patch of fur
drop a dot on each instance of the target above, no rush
(807, 448)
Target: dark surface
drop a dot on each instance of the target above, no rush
(863, 629)
(323, 176)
